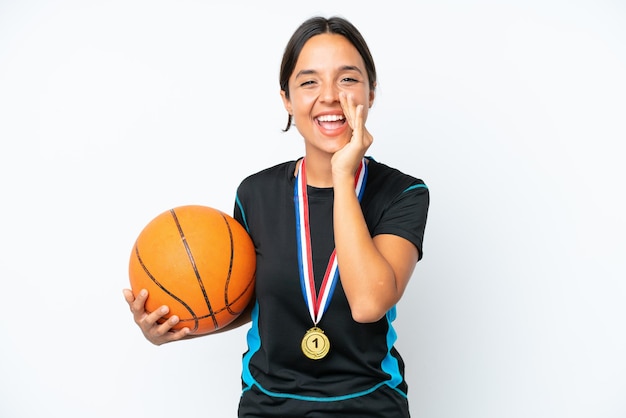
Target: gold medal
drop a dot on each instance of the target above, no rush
(315, 344)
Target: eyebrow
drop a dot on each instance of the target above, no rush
(342, 68)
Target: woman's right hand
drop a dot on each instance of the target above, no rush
(155, 332)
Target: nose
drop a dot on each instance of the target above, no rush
(329, 93)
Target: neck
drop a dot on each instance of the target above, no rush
(318, 172)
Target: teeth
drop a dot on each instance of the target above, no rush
(330, 118)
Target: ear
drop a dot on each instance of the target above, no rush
(286, 102)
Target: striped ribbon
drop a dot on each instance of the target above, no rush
(317, 303)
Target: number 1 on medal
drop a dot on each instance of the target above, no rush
(315, 344)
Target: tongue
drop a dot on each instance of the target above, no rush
(332, 125)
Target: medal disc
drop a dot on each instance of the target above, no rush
(315, 344)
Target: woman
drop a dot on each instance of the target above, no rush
(320, 342)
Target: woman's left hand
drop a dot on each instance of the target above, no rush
(347, 159)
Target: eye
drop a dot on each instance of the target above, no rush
(307, 83)
(349, 80)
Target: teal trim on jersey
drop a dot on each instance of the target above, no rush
(390, 364)
(319, 399)
(254, 343)
(243, 214)
(415, 186)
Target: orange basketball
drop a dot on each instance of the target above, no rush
(198, 261)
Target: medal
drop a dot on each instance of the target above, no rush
(315, 344)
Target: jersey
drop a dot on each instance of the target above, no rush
(363, 373)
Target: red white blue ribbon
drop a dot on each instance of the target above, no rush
(317, 303)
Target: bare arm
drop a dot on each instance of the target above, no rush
(374, 271)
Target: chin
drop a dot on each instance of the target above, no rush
(327, 144)
(334, 146)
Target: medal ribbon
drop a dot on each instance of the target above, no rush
(317, 304)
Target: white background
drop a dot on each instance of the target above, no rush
(512, 112)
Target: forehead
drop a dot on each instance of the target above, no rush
(328, 51)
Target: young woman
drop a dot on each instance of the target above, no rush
(337, 236)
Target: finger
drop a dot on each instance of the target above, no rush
(165, 333)
(344, 106)
(172, 335)
(358, 129)
(137, 306)
(160, 329)
(152, 319)
(181, 333)
(129, 296)
(353, 112)
(344, 101)
(175, 335)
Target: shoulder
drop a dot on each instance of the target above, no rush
(389, 180)
(267, 179)
(396, 203)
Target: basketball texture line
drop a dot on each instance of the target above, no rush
(173, 296)
(195, 268)
(227, 302)
(230, 265)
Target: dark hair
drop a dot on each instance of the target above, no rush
(317, 26)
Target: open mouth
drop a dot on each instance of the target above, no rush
(331, 122)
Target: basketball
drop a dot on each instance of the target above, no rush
(198, 261)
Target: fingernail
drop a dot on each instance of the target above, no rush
(174, 320)
(164, 309)
(143, 292)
